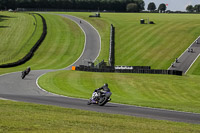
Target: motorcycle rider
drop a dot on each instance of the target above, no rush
(102, 90)
(25, 72)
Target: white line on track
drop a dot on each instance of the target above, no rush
(186, 51)
(86, 99)
(76, 60)
(85, 39)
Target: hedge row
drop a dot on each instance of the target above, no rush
(33, 49)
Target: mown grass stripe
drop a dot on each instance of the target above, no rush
(161, 91)
(14, 37)
(44, 118)
(43, 57)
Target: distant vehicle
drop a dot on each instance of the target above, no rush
(10, 10)
(95, 15)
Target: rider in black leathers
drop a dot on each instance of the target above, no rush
(103, 89)
(99, 92)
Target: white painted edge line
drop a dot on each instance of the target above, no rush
(3, 98)
(186, 51)
(99, 38)
(87, 99)
(85, 38)
(83, 48)
(94, 29)
(159, 109)
(9, 73)
(192, 63)
(95, 59)
(54, 94)
(76, 60)
(84, 42)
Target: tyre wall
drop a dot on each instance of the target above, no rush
(129, 69)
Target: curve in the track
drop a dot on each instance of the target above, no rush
(14, 88)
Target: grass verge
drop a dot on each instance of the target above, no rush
(158, 91)
(19, 34)
(60, 47)
(41, 118)
(151, 45)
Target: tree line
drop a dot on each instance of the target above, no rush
(111, 5)
(191, 8)
(152, 7)
(162, 7)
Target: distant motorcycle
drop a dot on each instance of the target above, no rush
(25, 72)
(100, 98)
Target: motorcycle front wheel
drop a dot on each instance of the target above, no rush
(102, 101)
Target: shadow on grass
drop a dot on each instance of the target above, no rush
(3, 17)
(4, 26)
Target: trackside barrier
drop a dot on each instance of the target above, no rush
(136, 69)
(102, 64)
(33, 49)
(112, 46)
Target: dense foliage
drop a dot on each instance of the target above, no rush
(132, 7)
(151, 6)
(189, 8)
(113, 5)
(197, 8)
(162, 7)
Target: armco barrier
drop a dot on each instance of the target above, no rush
(137, 69)
(33, 49)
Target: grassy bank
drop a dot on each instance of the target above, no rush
(151, 45)
(41, 118)
(60, 47)
(158, 91)
(18, 33)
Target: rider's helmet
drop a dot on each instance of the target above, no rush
(106, 84)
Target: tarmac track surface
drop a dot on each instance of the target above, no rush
(12, 87)
(186, 60)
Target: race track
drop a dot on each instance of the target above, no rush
(14, 88)
(189, 56)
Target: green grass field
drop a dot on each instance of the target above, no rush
(158, 91)
(60, 47)
(156, 45)
(173, 34)
(150, 45)
(26, 117)
(18, 34)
